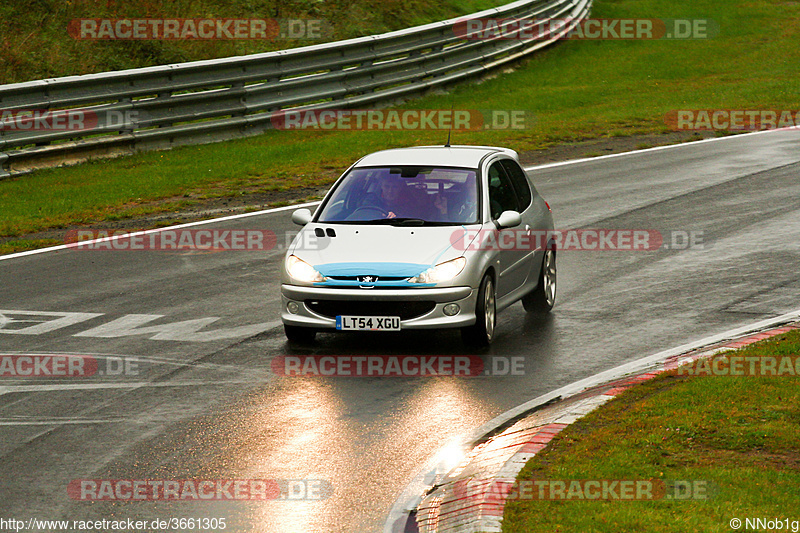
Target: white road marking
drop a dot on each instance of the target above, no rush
(311, 204)
(653, 149)
(128, 325)
(57, 387)
(152, 361)
(61, 320)
(57, 421)
(157, 230)
(187, 330)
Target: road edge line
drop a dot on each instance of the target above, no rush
(157, 230)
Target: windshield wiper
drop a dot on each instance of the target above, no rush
(397, 221)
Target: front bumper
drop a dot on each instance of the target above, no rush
(387, 302)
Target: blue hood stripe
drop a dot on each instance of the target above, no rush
(405, 270)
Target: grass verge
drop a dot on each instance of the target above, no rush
(35, 42)
(740, 435)
(577, 90)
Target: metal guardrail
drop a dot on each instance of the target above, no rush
(207, 101)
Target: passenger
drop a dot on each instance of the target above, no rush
(462, 206)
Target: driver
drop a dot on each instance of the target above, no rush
(397, 199)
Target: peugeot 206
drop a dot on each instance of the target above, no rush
(421, 238)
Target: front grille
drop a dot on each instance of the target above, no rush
(355, 278)
(405, 310)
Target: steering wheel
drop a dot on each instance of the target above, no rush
(368, 208)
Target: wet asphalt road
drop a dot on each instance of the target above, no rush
(199, 331)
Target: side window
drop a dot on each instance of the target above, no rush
(501, 192)
(520, 182)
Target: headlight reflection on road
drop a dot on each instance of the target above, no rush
(324, 429)
(296, 433)
(437, 419)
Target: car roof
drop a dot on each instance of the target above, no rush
(445, 156)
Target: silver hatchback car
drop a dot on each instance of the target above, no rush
(421, 238)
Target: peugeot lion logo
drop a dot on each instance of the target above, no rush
(367, 279)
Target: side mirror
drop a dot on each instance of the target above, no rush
(509, 219)
(301, 217)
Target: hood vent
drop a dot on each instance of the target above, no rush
(319, 232)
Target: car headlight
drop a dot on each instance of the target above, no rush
(302, 271)
(441, 272)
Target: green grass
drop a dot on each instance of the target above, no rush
(741, 435)
(577, 90)
(34, 42)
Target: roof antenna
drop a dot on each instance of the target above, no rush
(450, 130)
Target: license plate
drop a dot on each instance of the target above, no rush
(368, 323)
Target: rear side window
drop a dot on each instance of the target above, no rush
(502, 196)
(520, 182)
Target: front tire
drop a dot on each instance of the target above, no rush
(543, 297)
(481, 334)
(299, 334)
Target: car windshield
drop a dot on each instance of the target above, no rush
(404, 195)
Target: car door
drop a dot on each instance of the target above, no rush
(511, 263)
(535, 220)
(535, 214)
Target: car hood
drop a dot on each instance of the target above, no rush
(401, 251)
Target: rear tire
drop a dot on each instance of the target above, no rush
(299, 334)
(481, 334)
(543, 297)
